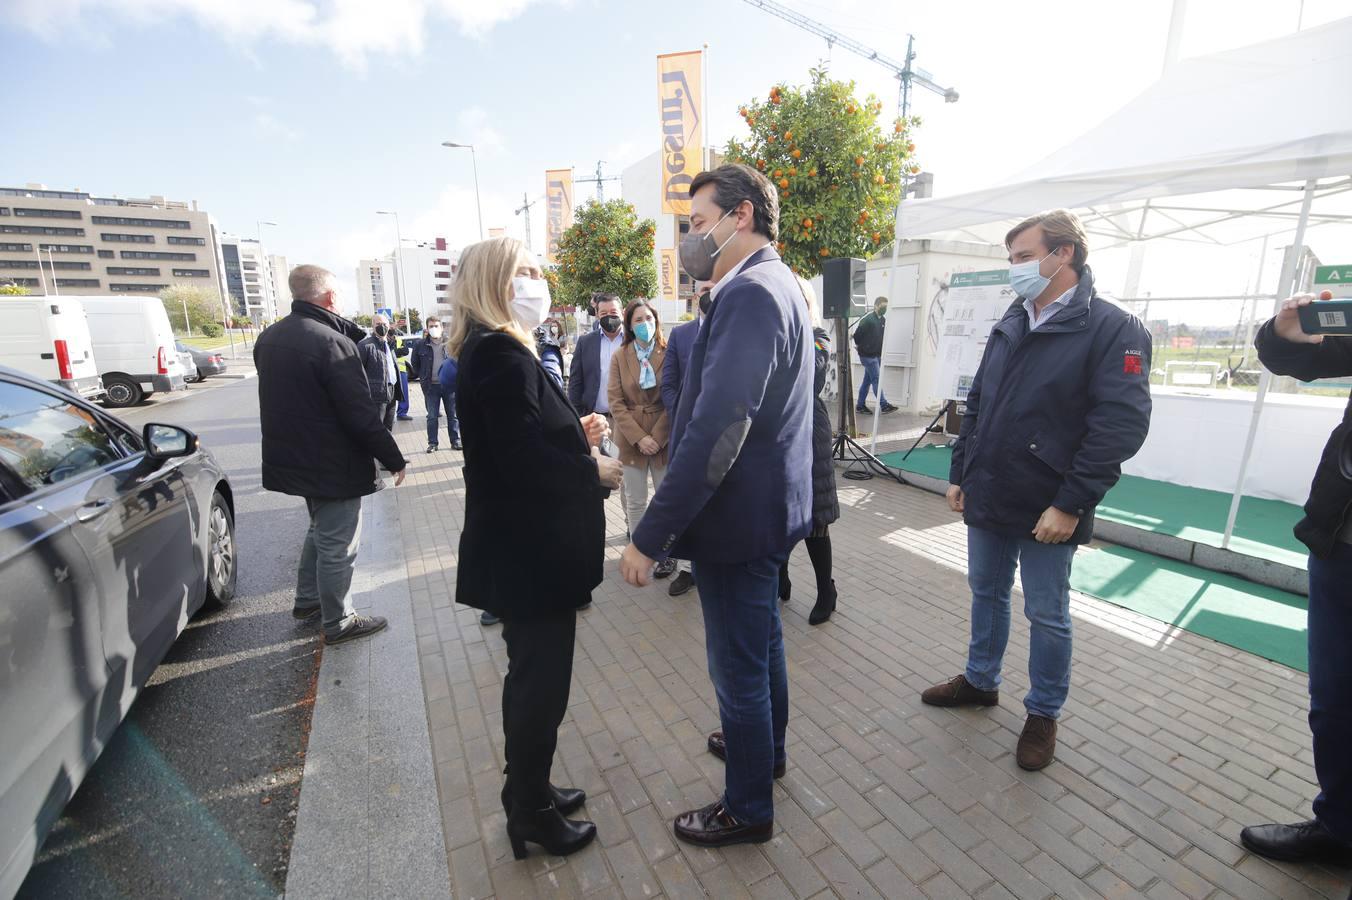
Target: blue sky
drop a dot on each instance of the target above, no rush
(314, 114)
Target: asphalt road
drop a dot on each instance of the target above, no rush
(196, 794)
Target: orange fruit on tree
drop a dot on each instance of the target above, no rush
(898, 128)
(770, 138)
(850, 109)
(793, 170)
(788, 135)
(741, 110)
(879, 179)
(796, 153)
(812, 173)
(859, 160)
(823, 252)
(807, 223)
(877, 236)
(863, 215)
(783, 182)
(779, 173)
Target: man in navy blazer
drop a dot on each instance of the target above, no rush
(590, 371)
(680, 343)
(738, 490)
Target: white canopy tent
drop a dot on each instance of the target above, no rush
(1262, 116)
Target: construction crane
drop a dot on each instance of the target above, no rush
(905, 72)
(524, 210)
(600, 194)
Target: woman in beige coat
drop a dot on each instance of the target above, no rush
(642, 425)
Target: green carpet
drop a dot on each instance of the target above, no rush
(1261, 620)
(1262, 529)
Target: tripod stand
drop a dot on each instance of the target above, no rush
(943, 410)
(863, 465)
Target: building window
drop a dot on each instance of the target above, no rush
(192, 273)
(4, 210)
(48, 213)
(195, 241)
(135, 288)
(67, 248)
(51, 230)
(140, 223)
(442, 275)
(106, 254)
(77, 282)
(33, 264)
(151, 254)
(441, 262)
(128, 238)
(132, 270)
(16, 248)
(25, 282)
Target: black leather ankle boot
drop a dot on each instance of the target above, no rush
(548, 828)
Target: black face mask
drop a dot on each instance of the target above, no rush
(610, 324)
(381, 330)
(704, 303)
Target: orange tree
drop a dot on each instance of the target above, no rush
(838, 171)
(606, 249)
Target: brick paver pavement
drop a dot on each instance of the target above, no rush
(1169, 742)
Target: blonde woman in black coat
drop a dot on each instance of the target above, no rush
(533, 542)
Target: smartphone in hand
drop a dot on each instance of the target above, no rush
(1326, 317)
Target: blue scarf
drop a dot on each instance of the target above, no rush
(647, 378)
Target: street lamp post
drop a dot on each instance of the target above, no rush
(475, 160)
(399, 251)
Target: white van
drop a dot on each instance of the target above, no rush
(48, 337)
(133, 347)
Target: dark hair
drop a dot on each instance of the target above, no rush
(431, 320)
(1059, 228)
(659, 340)
(734, 183)
(600, 297)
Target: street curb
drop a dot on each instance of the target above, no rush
(369, 823)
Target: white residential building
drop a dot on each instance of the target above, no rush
(424, 284)
(249, 279)
(375, 285)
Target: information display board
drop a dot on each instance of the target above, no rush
(975, 302)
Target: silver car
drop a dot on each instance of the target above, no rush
(109, 541)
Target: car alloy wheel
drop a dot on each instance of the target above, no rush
(220, 554)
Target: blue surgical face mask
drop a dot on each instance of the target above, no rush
(1027, 280)
(644, 331)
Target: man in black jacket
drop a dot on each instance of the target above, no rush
(1327, 530)
(382, 370)
(320, 433)
(1061, 399)
(868, 340)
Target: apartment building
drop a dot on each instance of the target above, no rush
(424, 284)
(252, 282)
(71, 240)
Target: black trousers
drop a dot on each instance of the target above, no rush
(534, 700)
(386, 411)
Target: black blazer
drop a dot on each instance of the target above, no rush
(585, 375)
(533, 541)
(373, 350)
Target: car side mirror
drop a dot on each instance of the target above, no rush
(168, 441)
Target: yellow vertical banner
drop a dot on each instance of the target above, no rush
(679, 98)
(558, 209)
(669, 275)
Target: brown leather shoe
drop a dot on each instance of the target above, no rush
(1037, 744)
(958, 692)
(719, 747)
(714, 826)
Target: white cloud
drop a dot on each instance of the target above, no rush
(271, 128)
(351, 29)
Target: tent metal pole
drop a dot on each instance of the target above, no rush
(1285, 285)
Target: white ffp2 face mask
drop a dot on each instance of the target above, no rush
(530, 301)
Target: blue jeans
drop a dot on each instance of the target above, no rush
(991, 559)
(871, 379)
(403, 386)
(745, 645)
(1330, 637)
(436, 400)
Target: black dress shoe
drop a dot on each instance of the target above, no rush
(680, 584)
(566, 800)
(718, 746)
(785, 586)
(714, 826)
(824, 607)
(455, 445)
(548, 828)
(1302, 842)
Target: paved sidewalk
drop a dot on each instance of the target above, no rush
(1169, 744)
(368, 823)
